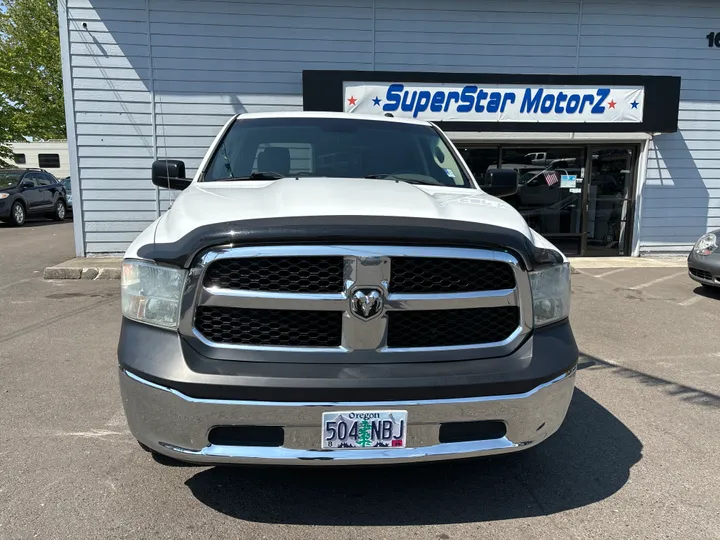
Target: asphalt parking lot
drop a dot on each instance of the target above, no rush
(636, 457)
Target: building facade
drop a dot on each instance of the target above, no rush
(154, 79)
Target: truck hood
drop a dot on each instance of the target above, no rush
(210, 203)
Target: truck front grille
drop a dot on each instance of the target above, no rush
(269, 327)
(365, 300)
(451, 327)
(430, 275)
(276, 274)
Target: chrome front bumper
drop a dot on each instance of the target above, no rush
(176, 425)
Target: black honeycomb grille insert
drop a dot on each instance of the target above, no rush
(702, 274)
(447, 328)
(278, 274)
(269, 327)
(435, 275)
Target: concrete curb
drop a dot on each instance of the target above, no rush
(90, 269)
(55, 272)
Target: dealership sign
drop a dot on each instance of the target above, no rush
(446, 102)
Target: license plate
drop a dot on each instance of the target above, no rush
(364, 429)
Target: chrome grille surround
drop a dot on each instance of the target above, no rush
(363, 341)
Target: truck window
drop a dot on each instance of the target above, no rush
(336, 148)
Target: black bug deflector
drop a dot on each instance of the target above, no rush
(351, 230)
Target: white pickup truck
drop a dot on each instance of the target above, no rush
(337, 289)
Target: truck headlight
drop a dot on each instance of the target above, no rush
(551, 293)
(151, 293)
(706, 245)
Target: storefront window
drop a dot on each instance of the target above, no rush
(578, 197)
(550, 187)
(480, 160)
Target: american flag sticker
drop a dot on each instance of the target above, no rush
(551, 177)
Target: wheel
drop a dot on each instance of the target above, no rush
(59, 211)
(17, 214)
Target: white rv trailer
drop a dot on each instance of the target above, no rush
(50, 155)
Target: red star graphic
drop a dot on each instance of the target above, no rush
(612, 104)
(352, 100)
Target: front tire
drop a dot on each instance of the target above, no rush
(17, 214)
(60, 211)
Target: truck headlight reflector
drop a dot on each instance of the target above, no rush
(151, 293)
(551, 293)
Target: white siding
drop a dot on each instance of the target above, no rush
(490, 36)
(680, 199)
(158, 78)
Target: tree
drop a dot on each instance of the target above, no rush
(364, 433)
(31, 93)
(7, 133)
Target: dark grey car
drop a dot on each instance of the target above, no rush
(30, 192)
(68, 190)
(704, 260)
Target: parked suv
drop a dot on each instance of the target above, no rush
(336, 289)
(30, 192)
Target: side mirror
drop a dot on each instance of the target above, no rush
(169, 174)
(27, 184)
(501, 182)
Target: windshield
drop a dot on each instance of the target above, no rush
(271, 148)
(9, 179)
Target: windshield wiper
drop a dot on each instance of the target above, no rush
(399, 179)
(268, 175)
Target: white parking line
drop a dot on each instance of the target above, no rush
(658, 280)
(8, 286)
(610, 273)
(691, 301)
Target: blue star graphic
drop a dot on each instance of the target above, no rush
(376, 101)
(635, 104)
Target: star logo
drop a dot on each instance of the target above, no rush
(634, 104)
(376, 101)
(352, 100)
(612, 104)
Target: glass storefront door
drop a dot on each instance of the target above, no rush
(609, 200)
(578, 197)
